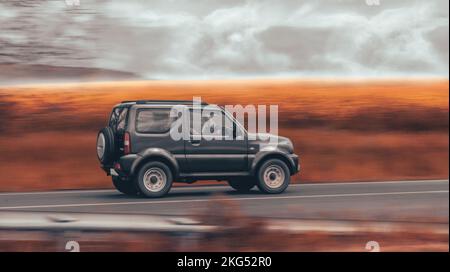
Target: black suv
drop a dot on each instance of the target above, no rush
(139, 152)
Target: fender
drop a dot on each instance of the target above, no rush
(155, 153)
(262, 155)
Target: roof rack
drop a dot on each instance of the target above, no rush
(180, 102)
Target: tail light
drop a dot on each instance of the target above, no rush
(126, 143)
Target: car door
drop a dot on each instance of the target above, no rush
(212, 149)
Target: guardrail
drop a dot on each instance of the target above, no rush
(98, 222)
(51, 221)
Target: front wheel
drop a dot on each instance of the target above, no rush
(273, 177)
(154, 179)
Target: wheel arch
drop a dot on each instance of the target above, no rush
(155, 154)
(263, 157)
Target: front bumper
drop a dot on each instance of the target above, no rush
(296, 163)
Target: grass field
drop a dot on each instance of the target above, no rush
(343, 130)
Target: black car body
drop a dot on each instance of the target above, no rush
(138, 138)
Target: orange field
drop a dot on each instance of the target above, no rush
(342, 130)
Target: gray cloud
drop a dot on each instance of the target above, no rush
(222, 38)
(438, 37)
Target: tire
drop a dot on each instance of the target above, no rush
(150, 176)
(106, 146)
(242, 185)
(125, 187)
(273, 177)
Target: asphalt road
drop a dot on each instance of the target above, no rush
(382, 201)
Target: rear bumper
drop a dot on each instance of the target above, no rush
(126, 162)
(122, 167)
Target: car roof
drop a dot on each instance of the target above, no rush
(161, 102)
(129, 103)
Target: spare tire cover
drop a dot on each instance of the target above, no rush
(106, 147)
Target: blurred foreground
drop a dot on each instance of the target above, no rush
(342, 130)
(221, 228)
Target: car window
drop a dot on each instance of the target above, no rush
(214, 124)
(121, 122)
(118, 120)
(153, 121)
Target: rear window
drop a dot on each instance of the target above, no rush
(153, 121)
(118, 120)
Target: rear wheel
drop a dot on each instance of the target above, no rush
(242, 185)
(273, 176)
(154, 179)
(125, 187)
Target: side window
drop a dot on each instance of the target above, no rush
(213, 123)
(118, 120)
(113, 118)
(153, 121)
(122, 120)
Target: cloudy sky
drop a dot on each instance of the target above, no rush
(177, 39)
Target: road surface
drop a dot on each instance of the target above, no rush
(390, 200)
